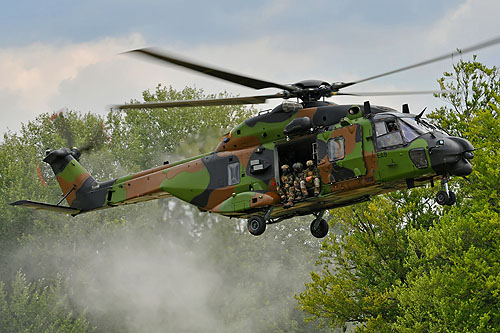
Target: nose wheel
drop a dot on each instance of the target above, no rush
(445, 196)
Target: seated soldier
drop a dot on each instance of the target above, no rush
(286, 189)
(298, 169)
(311, 178)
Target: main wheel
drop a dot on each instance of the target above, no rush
(322, 229)
(256, 225)
(442, 198)
(451, 199)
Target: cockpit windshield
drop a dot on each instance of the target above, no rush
(412, 128)
(392, 130)
(421, 125)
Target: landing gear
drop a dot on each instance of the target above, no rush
(322, 229)
(442, 197)
(319, 227)
(451, 199)
(445, 196)
(256, 225)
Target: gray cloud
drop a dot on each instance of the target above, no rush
(350, 45)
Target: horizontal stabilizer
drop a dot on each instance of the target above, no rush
(46, 206)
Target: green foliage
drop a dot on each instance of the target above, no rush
(454, 279)
(36, 307)
(364, 258)
(402, 264)
(474, 88)
(141, 138)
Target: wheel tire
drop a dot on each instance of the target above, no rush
(256, 225)
(442, 198)
(452, 199)
(322, 229)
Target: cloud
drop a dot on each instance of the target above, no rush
(32, 75)
(471, 21)
(88, 76)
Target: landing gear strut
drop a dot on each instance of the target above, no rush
(445, 196)
(319, 227)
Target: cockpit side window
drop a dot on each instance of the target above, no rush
(388, 134)
(380, 128)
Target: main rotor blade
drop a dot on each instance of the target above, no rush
(218, 73)
(393, 93)
(482, 45)
(200, 102)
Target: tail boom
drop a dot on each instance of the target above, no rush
(83, 193)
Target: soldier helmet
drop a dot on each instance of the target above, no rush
(298, 167)
(310, 163)
(285, 167)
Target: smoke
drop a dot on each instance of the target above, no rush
(167, 268)
(150, 284)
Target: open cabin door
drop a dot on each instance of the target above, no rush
(300, 150)
(340, 154)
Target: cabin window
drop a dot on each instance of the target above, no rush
(233, 172)
(388, 134)
(336, 149)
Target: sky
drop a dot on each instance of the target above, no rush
(61, 54)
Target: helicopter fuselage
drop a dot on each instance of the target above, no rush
(358, 152)
(241, 176)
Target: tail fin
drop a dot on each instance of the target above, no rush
(82, 192)
(78, 186)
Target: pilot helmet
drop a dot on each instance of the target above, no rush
(285, 167)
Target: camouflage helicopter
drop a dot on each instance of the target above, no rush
(352, 152)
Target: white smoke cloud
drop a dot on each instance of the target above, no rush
(151, 274)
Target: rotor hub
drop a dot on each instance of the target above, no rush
(312, 90)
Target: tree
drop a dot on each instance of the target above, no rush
(141, 138)
(403, 264)
(453, 282)
(363, 258)
(36, 307)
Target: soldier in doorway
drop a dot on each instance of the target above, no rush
(298, 170)
(286, 189)
(311, 178)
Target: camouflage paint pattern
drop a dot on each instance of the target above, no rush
(239, 177)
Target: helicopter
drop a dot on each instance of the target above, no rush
(355, 152)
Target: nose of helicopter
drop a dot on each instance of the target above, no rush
(451, 155)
